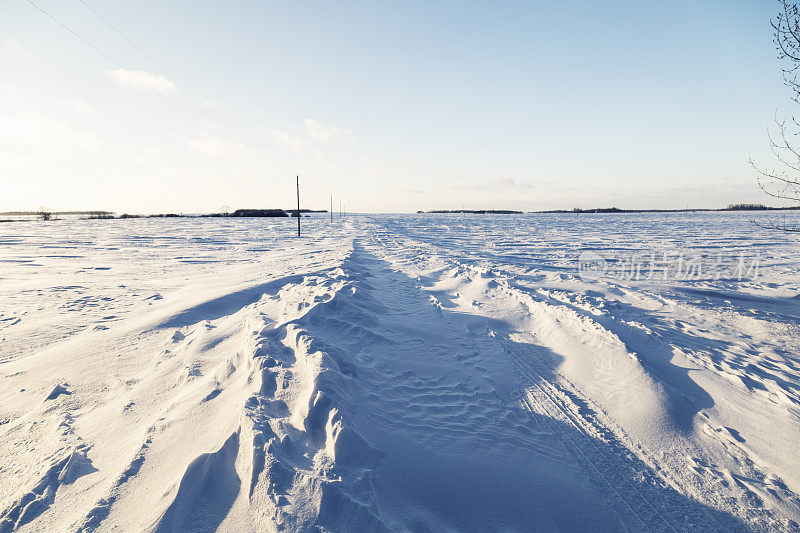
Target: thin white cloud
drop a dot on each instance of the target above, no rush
(211, 104)
(325, 134)
(495, 185)
(295, 143)
(221, 147)
(139, 79)
(12, 45)
(80, 105)
(311, 141)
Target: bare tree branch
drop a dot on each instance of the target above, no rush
(778, 227)
(784, 183)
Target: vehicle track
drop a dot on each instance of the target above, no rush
(757, 516)
(633, 508)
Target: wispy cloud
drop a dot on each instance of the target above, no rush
(80, 105)
(499, 185)
(325, 134)
(221, 147)
(298, 144)
(211, 104)
(12, 45)
(313, 139)
(139, 79)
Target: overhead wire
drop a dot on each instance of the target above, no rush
(76, 34)
(107, 56)
(140, 49)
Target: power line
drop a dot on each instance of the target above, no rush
(140, 49)
(163, 69)
(86, 41)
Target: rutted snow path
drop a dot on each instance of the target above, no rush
(378, 377)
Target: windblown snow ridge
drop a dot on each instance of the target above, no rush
(294, 463)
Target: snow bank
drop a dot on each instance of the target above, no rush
(394, 373)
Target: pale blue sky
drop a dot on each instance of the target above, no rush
(391, 106)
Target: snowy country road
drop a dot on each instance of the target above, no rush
(388, 372)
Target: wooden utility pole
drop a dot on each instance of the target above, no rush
(298, 205)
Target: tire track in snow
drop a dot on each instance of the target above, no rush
(586, 452)
(707, 479)
(663, 471)
(646, 516)
(607, 464)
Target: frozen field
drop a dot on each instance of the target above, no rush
(417, 372)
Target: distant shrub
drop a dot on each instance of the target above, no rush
(746, 207)
(259, 213)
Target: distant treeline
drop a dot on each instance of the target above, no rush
(265, 213)
(109, 215)
(746, 207)
(475, 211)
(39, 213)
(731, 207)
(261, 213)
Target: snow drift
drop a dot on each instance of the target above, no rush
(387, 373)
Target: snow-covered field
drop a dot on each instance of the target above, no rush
(416, 372)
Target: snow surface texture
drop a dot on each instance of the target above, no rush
(422, 373)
